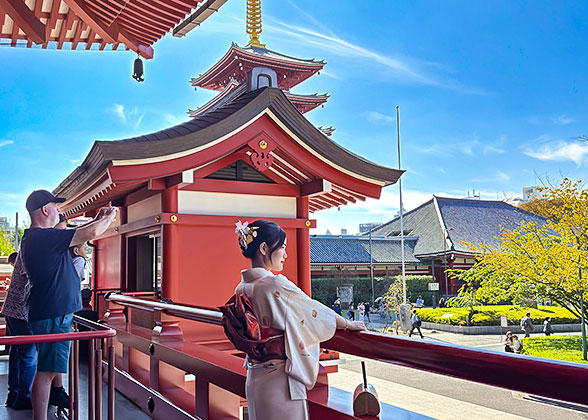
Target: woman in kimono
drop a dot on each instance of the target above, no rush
(276, 389)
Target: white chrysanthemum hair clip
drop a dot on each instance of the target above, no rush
(246, 234)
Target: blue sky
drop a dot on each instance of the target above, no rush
(492, 95)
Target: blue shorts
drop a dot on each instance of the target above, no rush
(53, 357)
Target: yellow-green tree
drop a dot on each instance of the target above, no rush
(534, 260)
(6, 242)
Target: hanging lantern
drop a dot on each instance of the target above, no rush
(138, 70)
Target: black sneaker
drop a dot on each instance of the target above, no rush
(22, 404)
(58, 397)
(11, 398)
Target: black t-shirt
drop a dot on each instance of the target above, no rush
(55, 285)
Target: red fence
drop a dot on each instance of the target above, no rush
(548, 378)
(100, 340)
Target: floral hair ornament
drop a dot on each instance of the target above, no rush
(246, 234)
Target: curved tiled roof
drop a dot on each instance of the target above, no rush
(342, 250)
(213, 125)
(466, 220)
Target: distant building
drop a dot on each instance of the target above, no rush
(4, 225)
(444, 226)
(366, 227)
(352, 253)
(343, 231)
(436, 234)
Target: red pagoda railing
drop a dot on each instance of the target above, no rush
(547, 378)
(100, 340)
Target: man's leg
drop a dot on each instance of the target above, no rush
(419, 328)
(40, 394)
(411, 330)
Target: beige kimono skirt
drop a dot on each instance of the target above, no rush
(276, 389)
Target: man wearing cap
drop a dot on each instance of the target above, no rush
(55, 285)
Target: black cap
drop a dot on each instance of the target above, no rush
(39, 198)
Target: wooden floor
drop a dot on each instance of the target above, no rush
(125, 409)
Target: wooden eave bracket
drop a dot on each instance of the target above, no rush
(318, 186)
(25, 19)
(111, 34)
(107, 33)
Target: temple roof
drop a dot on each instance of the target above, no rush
(464, 220)
(308, 156)
(238, 61)
(326, 249)
(303, 103)
(130, 24)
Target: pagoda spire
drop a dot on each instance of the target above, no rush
(254, 22)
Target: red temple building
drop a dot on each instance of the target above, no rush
(249, 154)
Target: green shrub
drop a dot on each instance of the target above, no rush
(490, 315)
(559, 347)
(325, 289)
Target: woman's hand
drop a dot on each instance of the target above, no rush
(356, 326)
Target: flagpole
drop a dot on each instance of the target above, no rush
(401, 209)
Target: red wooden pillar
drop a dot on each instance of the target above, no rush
(170, 247)
(122, 212)
(303, 247)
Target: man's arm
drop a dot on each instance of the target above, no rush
(95, 228)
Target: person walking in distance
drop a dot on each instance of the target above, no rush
(547, 327)
(527, 324)
(416, 323)
(55, 285)
(368, 308)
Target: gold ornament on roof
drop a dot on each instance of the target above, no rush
(254, 22)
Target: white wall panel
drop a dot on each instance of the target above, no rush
(224, 204)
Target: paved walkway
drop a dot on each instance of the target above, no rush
(447, 398)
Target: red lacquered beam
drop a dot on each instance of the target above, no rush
(548, 378)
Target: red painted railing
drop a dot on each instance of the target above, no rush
(548, 378)
(99, 338)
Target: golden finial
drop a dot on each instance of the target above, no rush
(254, 22)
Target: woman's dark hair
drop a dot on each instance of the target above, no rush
(268, 232)
(12, 258)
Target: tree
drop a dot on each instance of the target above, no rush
(6, 242)
(534, 260)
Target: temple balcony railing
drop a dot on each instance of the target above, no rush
(221, 367)
(100, 354)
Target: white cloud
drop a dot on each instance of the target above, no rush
(492, 149)
(378, 118)
(471, 147)
(129, 118)
(562, 120)
(416, 71)
(6, 142)
(331, 75)
(502, 176)
(119, 110)
(560, 150)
